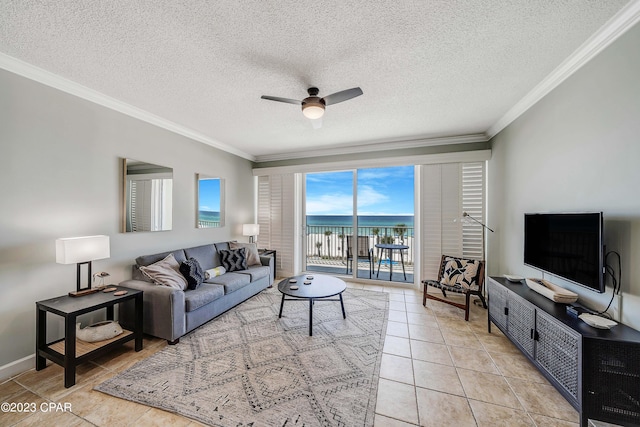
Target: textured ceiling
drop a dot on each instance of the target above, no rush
(427, 68)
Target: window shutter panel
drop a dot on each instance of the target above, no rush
(276, 218)
(448, 190)
(473, 204)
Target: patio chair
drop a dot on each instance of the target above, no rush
(459, 275)
(364, 252)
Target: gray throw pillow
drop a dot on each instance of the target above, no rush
(166, 272)
(253, 258)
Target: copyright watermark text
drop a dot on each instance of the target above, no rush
(34, 407)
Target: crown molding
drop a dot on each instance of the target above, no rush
(421, 159)
(620, 23)
(50, 79)
(385, 145)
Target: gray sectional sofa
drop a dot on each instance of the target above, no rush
(170, 313)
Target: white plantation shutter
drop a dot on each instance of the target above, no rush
(276, 212)
(447, 190)
(473, 204)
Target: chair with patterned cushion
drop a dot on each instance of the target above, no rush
(458, 275)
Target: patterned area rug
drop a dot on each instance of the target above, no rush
(249, 368)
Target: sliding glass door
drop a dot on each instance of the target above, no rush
(379, 204)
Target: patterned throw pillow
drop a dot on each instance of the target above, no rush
(192, 271)
(166, 272)
(460, 272)
(234, 260)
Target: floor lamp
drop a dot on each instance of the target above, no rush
(466, 215)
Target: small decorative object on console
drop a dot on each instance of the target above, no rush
(597, 321)
(554, 292)
(512, 278)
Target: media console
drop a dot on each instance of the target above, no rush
(596, 370)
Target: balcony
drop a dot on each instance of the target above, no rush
(326, 251)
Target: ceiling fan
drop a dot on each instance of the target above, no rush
(313, 106)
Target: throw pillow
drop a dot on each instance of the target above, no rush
(214, 272)
(234, 260)
(253, 258)
(459, 272)
(166, 272)
(192, 271)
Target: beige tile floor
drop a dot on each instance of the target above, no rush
(437, 370)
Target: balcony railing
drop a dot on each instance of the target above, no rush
(327, 245)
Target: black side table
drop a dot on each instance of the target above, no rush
(69, 352)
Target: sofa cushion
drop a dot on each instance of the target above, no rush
(231, 281)
(251, 251)
(203, 295)
(234, 260)
(150, 259)
(222, 246)
(206, 255)
(166, 272)
(192, 271)
(256, 272)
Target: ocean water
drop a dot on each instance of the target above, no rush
(208, 216)
(363, 220)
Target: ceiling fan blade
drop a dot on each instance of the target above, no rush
(287, 100)
(344, 95)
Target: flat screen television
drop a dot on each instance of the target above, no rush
(566, 245)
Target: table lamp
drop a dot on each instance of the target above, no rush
(79, 251)
(251, 230)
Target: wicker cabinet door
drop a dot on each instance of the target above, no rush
(557, 350)
(497, 303)
(521, 323)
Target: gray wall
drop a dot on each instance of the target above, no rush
(60, 177)
(578, 149)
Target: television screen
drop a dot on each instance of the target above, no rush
(567, 245)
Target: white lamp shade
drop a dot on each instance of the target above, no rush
(72, 250)
(250, 229)
(313, 111)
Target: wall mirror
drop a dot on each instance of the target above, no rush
(148, 197)
(210, 202)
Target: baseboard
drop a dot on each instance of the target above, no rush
(17, 367)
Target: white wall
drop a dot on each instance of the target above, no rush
(60, 176)
(578, 149)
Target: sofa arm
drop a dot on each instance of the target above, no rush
(163, 310)
(268, 261)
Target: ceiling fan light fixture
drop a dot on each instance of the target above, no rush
(313, 108)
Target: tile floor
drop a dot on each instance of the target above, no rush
(437, 370)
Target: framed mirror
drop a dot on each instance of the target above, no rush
(210, 202)
(148, 197)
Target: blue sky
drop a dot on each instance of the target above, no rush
(209, 195)
(381, 191)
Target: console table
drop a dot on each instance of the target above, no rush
(596, 370)
(69, 352)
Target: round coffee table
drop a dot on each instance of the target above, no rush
(320, 287)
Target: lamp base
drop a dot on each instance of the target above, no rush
(85, 291)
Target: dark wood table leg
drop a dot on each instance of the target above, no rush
(69, 351)
(310, 317)
(41, 337)
(281, 306)
(402, 262)
(138, 322)
(344, 315)
(390, 254)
